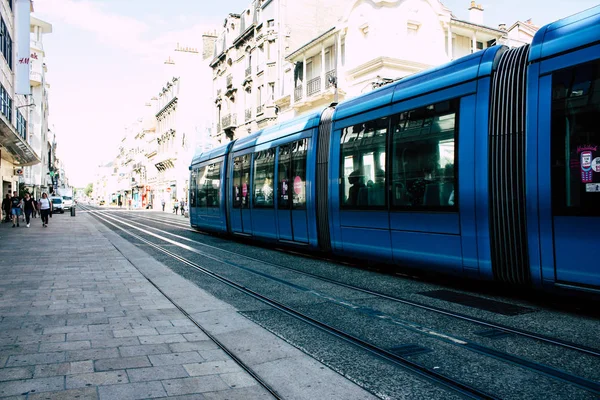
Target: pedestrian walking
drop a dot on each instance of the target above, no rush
(6, 207)
(45, 207)
(176, 206)
(15, 205)
(182, 206)
(35, 207)
(162, 202)
(28, 207)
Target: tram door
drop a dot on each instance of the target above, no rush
(240, 213)
(575, 173)
(291, 192)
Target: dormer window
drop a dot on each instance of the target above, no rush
(412, 28)
(364, 28)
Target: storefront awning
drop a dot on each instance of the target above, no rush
(18, 151)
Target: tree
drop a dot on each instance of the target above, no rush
(89, 189)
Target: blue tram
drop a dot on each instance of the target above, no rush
(488, 167)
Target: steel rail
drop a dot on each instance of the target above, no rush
(439, 379)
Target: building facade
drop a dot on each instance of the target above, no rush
(249, 56)
(378, 42)
(16, 151)
(37, 178)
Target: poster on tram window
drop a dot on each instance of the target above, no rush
(589, 165)
(22, 61)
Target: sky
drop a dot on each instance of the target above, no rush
(105, 60)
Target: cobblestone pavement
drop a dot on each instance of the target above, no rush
(78, 320)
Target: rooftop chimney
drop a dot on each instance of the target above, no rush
(476, 14)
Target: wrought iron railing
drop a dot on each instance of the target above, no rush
(228, 121)
(248, 114)
(260, 109)
(298, 93)
(229, 81)
(248, 71)
(313, 86)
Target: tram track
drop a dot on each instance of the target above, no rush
(588, 385)
(431, 376)
(487, 324)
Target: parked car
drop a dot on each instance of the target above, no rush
(57, 205)
(67, 202)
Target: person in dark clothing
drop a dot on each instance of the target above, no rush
(28, 206)
(6, 207)
(35, 207)
(356, 180)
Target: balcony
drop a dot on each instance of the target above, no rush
(229, 121)
(16, 149)
(260, 109)
(313, 86)
(248, 71)
(298, 93)
(35, 79)
(229, 81)
(248, 114)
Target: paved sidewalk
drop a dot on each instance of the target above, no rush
(79, 320)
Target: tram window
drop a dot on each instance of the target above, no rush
(193, 187)
(363, 149)
(424, 157)
(200, 187)
(237, 182)
(575, 148)
(264, 171)
(283, 178)
(298, 183)
(213, 184)
(246, 181)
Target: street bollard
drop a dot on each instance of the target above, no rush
(72, 210)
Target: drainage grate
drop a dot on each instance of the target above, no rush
(493, 334)
(409, 350)
(480, 303)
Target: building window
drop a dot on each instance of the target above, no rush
(6, 44)
(271, 93)
(363, 148)
(424, 157)
(10, 4)
(412, 28)
(270, 23)
(6, 106)
(21, 125)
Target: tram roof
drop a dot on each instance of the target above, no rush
(278, 131)
(459, 71)
(213, 153)
(569, 33)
